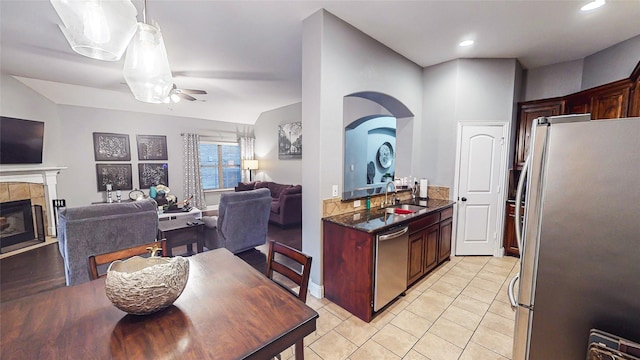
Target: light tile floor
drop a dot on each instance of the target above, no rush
(459, 311)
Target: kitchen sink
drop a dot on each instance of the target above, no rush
(404, 209)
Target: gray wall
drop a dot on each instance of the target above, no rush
(19, 101)
(339, 60)
(611, 64)
(78, 183)
(553, 80)
(287, 171)
(608, 65)
(454, 92)
(68, 140)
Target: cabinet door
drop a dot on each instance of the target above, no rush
(610, 104)
(528, 113)
(634, 103)
(578, 104)
(431, 236)
(444, 243)
(509, 242)
(416, 251)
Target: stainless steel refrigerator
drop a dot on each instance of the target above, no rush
(580, 247)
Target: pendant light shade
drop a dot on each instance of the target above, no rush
(99, 29)
(146, 67)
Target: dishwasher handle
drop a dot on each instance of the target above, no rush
(393, 235)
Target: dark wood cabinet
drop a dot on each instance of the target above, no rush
(529, 112)
(416, 256)
(349, 259)
(446, 229)
(611, 102)
(510, 242)
(348, 269)
(423, 257)
(432, 238)
(444, 243)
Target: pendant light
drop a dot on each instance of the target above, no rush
(99, 29)
(146, 66)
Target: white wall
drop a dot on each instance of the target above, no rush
(339, 60)
(462, 90)
(287, 171)
(19, 101)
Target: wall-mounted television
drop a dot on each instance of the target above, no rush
(20, 141)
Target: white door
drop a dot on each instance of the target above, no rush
(479, 186)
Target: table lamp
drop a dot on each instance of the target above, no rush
(250, 165)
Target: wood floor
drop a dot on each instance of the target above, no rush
(42, 269)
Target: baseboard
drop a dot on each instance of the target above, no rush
(316, 290)
(499, 252)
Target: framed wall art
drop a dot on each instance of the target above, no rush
(118, 175)
(153, 174)
(290, 141)
(152, 147)
(111, 147)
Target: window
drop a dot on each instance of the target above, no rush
(219, 165)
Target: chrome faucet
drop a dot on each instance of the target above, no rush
(386, 192)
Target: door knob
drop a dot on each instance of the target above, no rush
(463, 199)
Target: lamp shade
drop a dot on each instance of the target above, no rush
(98, 29)
(250, 164)
(146, 67)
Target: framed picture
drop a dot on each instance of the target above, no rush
(290, 141)
(118, 175)
(111, 147)
(153, 174)
(152, 147)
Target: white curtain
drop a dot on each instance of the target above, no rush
(192, 179)
(247, 146)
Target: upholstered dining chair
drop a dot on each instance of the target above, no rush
(286, 265)
(95, 261)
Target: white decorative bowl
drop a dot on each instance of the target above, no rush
(143, 286)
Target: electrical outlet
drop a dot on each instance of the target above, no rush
(356, 203)
(334, 190)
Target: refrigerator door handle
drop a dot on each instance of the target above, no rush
(512, 296)
(518, 215)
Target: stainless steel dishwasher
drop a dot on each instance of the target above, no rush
(391, 257)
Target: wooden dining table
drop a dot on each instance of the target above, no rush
(228, 310)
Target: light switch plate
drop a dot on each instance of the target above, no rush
(334, 190)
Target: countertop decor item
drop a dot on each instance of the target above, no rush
(142, 286)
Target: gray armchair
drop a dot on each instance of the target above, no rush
(102, 228)
(242, 221)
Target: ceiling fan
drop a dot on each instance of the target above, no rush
(176, 93)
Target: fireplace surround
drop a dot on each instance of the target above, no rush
(37, 183)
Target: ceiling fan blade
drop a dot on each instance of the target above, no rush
(192, 91)
(187, 97)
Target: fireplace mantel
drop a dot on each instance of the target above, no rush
(46, 175)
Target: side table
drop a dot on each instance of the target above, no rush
(194, 212)
(180, 232)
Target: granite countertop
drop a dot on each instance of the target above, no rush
(378, 219)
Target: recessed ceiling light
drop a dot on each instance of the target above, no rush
(592, 5)
(466, 43)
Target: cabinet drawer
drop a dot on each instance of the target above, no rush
(424, 222)
(446, 213)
